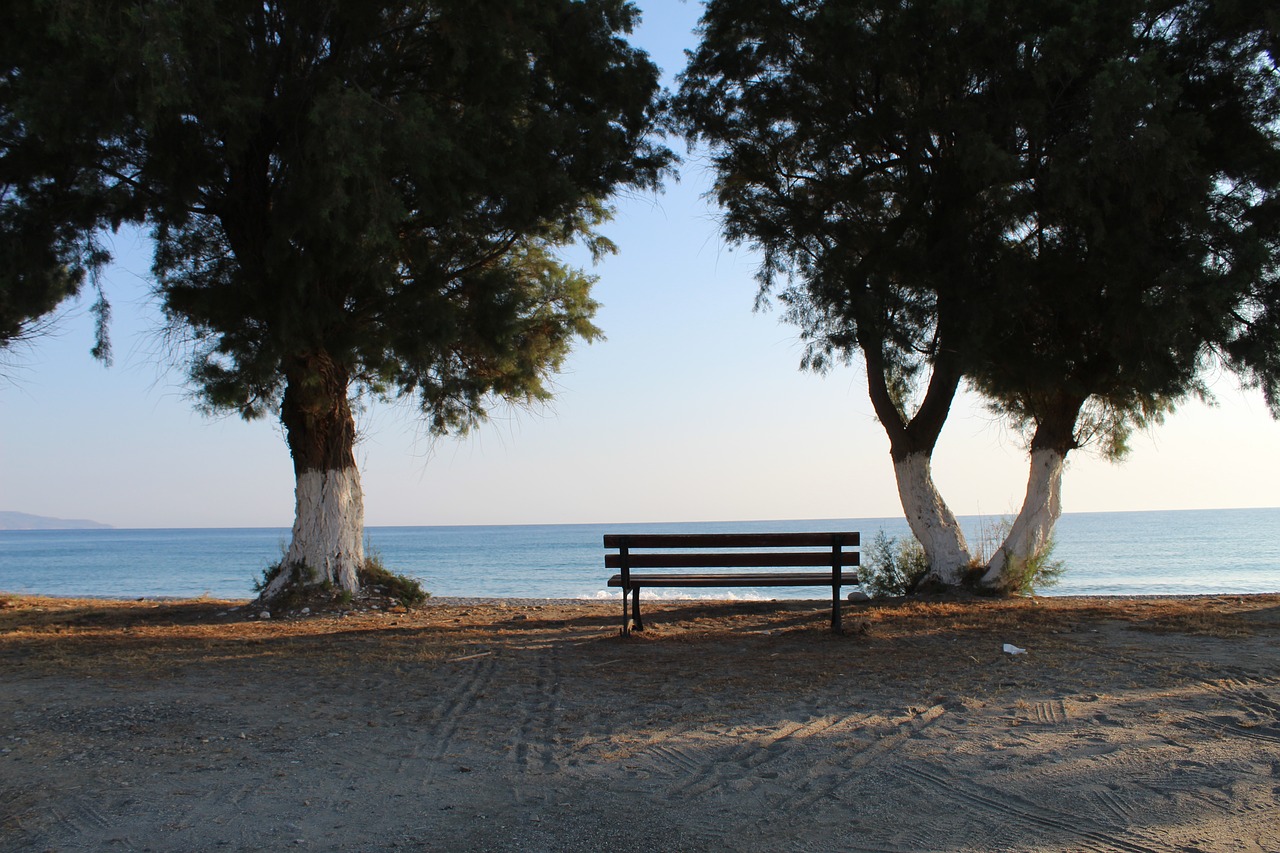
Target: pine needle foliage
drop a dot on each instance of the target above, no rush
(389, 185)
(1072, 204)
(51, 207)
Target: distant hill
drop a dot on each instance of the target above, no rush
(25, 521)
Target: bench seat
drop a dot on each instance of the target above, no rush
(727, 580)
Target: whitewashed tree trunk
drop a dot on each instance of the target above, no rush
(327, 549)
(328, 532)
(1035, 522)
(931, 519)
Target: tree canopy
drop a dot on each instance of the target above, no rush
(385, 184)
(50, 205)
(1145, 226)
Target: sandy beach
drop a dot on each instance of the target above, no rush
(1127, 725)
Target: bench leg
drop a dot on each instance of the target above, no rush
(631, 619)
(635, 609)
(835, 609)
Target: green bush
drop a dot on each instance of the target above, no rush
(1033, 574)
(892, 567)
(1036, 573)
(373, 577)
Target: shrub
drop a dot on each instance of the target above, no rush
(1035, 573)
(373, 576)
(270, 573)
(892, 567)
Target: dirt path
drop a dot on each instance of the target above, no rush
(1128, 725)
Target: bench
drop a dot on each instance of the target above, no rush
(707, 551)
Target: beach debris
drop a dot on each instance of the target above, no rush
(470, 657)
(1010, 648)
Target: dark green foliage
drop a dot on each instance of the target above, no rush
(1021, 576)
(858, 145)
(298, 593)
(383, 184)
(1146, 225)
(270, 573)
(389, 185)
(52, 202)
(1071, 204)
(891, 567)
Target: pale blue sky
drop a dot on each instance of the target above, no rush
(693, 409)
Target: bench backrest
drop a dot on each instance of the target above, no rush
(834, 554)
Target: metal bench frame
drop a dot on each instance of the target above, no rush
(840, 552)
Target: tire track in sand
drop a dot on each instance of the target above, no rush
(536, 734)
(746, 759)
(1005, 807)
(82, 819)
(1253, 714)
(464, 684)
(780, 758)
(824, 778)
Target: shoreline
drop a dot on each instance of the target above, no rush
(457, 600)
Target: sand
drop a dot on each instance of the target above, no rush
(1127, 725)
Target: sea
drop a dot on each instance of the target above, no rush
(1185, 552)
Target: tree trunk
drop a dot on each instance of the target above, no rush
(1029, 536)
(327, 547)
(911, 444)
(931, 520)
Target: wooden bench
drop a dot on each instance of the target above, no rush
(706, 551)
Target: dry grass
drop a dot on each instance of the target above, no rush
(93, 634)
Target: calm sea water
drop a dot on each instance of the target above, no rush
(1131, 553)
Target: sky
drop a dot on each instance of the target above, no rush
(692, 409)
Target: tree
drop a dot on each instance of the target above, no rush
(1147, 234)
(366, 199)
(858, 145)
(1061, 203)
